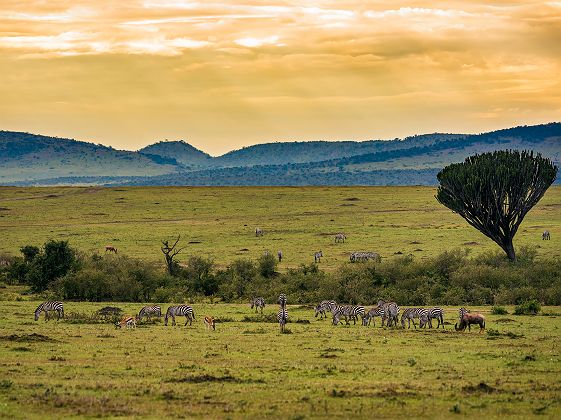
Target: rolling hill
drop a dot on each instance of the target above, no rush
(37, 160)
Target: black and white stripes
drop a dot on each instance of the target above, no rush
(282, 314)
(50, 306)
(258, 303)
(180, 310)
(148, 311)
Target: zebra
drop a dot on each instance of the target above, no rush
(317, 256)
(180, 310)
(282, 317)
(148, 311)
(323, 307)
(438, 314)
(50, 306)
(340, 237)
(364, 256)
(391, 314)
(282, 300)
(410, 314)
(348, 311)
(462, 312)
(127, 321)
(376, 311)
(258, 231)
(258, 303)
(546, 236)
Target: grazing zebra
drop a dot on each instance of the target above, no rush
(323, 307)
(209, 323)
(374, 312)
(180, 310)
(49, 307)
(340, 237)
(364, 256)
(282, 317)
(126, 321)
(462, 312)
(391, 314)
(410, 314)
(258, 232)
(148, 311)
(258, 303)
(348, 311)
(438, 314)
(424, 320)
(317, 256)
(546, 236)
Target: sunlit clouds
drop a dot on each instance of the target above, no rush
(226, 74)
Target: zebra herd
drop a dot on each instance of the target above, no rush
(387, 311)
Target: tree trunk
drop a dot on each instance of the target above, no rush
(508, 247)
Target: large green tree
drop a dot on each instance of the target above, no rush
(494, 191)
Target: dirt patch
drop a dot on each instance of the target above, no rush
(351, 199)
(27, 338)
(199, 379)
(195, 242)
(84, 405)
(52, 196)
(347, 205)
(4, 209)
(481, 388)
(505, 320)
(415, 243)
(244, 250)
(471, 243)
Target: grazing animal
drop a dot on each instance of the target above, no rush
(282, 300)
(180, 310)
(258, 232)
(148, 311)
(340, 237)
(317, 256)
(468, 320)
(348, 312)
(391, 314)
(110, 248)
(282, 317)
(258, 303)
(209, 322)
(546, 236)
(50, 307)
(461, 313)
(424, 320)
(364, 256)
(438, 314)
(323, 307)
(126, 321)
(371, 314)
(410, 314)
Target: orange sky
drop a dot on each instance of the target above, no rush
(224, 74)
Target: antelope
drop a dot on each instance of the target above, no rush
(110, 248)
(209, 322)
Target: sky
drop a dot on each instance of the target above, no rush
(222, 74)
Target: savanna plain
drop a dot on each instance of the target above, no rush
(83, 367)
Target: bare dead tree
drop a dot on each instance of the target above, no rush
(170, 252)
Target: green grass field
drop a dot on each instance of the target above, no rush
(248, 369)
(220, 222)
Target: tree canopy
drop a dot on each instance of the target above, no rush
(494, 191)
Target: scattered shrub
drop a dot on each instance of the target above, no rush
(531, 307)
(499, 310)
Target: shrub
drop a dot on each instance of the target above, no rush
(499, 310)
(531, 307)
(267, 265)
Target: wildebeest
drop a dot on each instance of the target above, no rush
(110, 248)
(546, 236)
(469, 319)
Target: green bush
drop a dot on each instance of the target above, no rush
(531, 307)
(499, 310)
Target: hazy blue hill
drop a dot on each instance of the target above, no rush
(179, 150)
(25, 156)
(31, 159)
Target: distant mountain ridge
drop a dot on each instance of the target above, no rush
(28, 159)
